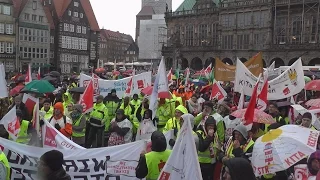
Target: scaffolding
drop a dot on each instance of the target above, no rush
(296, 22)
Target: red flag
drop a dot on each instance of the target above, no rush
(169, 76)
(130, 84)
(263, 96)
(217, 92)
(11, 123)
(87, 98)
(249, 115)
(207, 71)
(28, 75)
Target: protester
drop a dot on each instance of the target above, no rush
(314, 163)
(60, 121)
(21, 106)
(78, 125)
(120, 129)
(46, 110)
(98, 117)
(150, 164)
(193, 106)
(26, 129)
(50, 166)
(4, 167)
(147, 126)
(238, 169)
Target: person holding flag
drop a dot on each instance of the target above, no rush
(26, 129)
(163, 113)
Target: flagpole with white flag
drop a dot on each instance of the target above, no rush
(3, 83)
(183, 162)
(160, 88)
(28, 75)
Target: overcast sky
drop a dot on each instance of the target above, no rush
(120, 15)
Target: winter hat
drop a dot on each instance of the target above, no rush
(241, 129)
(240, 169)
(59, 106)
(159, 142)
(53, 159)
(99, 97)
(211, 121)
(307, 115)
(78, 107)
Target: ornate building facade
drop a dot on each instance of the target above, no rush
(75, 35)
(203, 30)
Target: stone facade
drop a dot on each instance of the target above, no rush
(7, 35)
(242, 29)
(33, 35)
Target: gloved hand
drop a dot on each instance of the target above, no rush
(57, 126)
(172, 142)
(41, 122)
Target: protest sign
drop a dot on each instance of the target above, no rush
(289, 83)
(118, 162)
(105, 86)
(225, 72)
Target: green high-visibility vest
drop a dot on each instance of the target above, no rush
(155, 163)
(4, 160)
(78, 134)
(23, 136)
(205, 157)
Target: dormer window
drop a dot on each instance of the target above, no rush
(75, 14)
(76, 4)
(69, 13)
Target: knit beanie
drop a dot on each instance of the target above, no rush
(307, 115)
(53, 159)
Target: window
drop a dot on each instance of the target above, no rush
(71, 28)
(68, 42)
(34, 5)
(1, 28)
(34, 17)
(76, 4)
(49, 1)
(75, 14)
(1, 47)
(26, 16)
(51, 54)
(84, 30)
(203, 32)
(69, 13)
(66, 27)
(76, 43)
(189, 35)
(40, 18)
(9, 28)
(51, 39)
(6, 10)
(227, 42)
(243, 41)
(64, 41)
(78, 29)
(81, 15)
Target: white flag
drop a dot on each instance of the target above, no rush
(183, 162)
(3, 83)
(52, 138)
(160, 88)
(11, 123)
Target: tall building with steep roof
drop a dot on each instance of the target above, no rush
(74, 35)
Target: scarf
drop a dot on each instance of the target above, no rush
(192, 106)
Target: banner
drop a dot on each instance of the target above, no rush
(183, 162)
(224, 72)
(140, 81)
(289, 83)
(114, 163)
(11, 123)
(52, 138)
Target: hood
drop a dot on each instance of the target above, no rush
(182, 109)
(315, 155)
(158, 141)
(241, 129)
(240, 169)
(187, 117)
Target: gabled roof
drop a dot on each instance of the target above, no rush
(108, 34)
(146, 10)
(18, 7)
(49, 17)
(133, 47)
(90, 15)
(62, 5)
